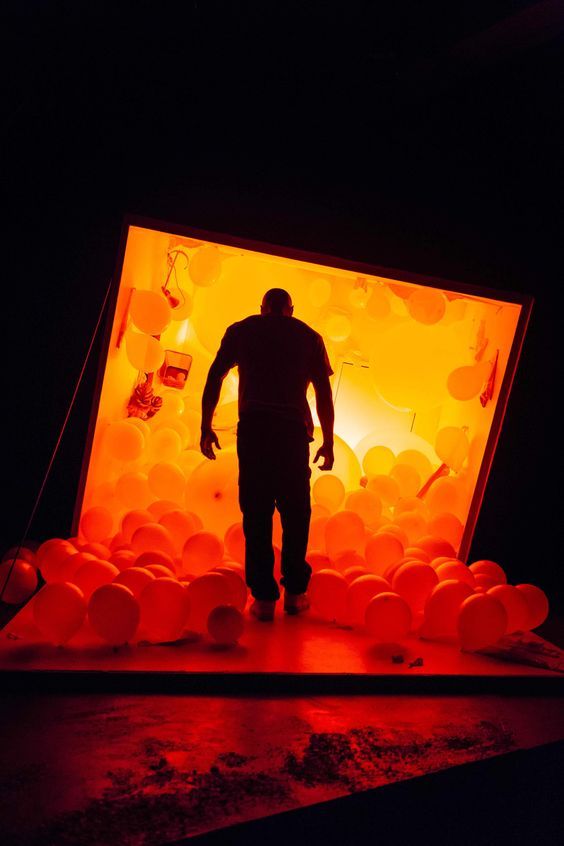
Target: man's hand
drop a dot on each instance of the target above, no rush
(325, 451)
(207, 442)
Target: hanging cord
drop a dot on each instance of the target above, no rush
(58, 443)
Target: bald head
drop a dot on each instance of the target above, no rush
(277, 301)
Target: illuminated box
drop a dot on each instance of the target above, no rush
(422, 374)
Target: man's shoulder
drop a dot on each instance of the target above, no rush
(306, 330)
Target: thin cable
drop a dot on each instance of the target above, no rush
(58, 443)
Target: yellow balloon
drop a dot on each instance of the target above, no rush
(149, 312)
(378, 306)
(337, 327)
(328, 490)
(167, 481)
(427, 305)
(144, 352)
(205, 266)
(124, 441)
(410, 363)
(378, 460)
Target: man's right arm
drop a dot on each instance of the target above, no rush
(326, 414)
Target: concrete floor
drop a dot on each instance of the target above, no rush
(134, 770)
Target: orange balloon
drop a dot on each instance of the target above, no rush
(167, 481)
(359, 593)
(397, 531)
(149, 312)
(378, 460)
(485, 581)
(352, 573)
(237, 586)
(165, 606)
(93, 574)
(316, 538)
(318, 510)
(344, 530)
(144, 352)
(181, 525)
(132, 490)
(159, 571)
(225, 624)
(410, 503)
(516, 607)
(482, 621)
(442, 608)
(489, 568)
(455, 570)
(347, 559)
(205, 266)
(206, 593)
(417, 554)
(318, 560)
(436, 546)
(123, 559)
(426, 305)
(155, 557)
(166, 445)
(327, 594)
(135, 578)
(132, 520)
(388, 618)
(408, 479)
(113, 613)
(413, 524)
(386, 488)
(153, 536)
(383, 550)
(234, 541)
(53, 560)
(537, 602)
(414, 581)
(446, 494)
(18, 581)
(202, 551)
(465, 383)
(96, 523)
(59, 610)
(124, 441)
(447, 526)
(160, 507)
(366, 504)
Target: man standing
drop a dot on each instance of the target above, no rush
(278, 357)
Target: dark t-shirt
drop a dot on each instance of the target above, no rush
(277, 357)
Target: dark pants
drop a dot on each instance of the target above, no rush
(274, 472)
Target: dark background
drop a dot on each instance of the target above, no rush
(424, 136)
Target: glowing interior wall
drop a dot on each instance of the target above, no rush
(418, 373)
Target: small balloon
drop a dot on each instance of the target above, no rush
(167, 481)
(328, 490)
(442, 608)
(144, 352)
(327, 594)
(414, 581)
(132, 490)
(225, 624)
(153, 536)
(366, 504)
(205, 266)
(426, 305)
(382, 551)
(537, 602)
(489, 568)
(135, 578)
(377, 461)
(96, 523)
(93, 574)
(18, 581)
(516, 606)
(344, 530)
(124, 441)
(202, 551)
(236, 584)
(206, 592)
(359, 593)
(149, 312)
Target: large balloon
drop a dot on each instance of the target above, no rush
(388, 618)
(327, 593)
(482, 621)
(537, 602)
(124, 441)
(59, 610)
(328, 490)
(442, 608)
(414, 581)
(213, 493)
(383, 550)
(93, 574)
(152, 536)
(113, 612)
(205, 266)
(144, 352)
(18, 581)
(202, 551)
(96, 523)
(515, 603)
(236, 584)
(165, 606)
(135, 578)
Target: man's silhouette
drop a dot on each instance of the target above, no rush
(278, 357)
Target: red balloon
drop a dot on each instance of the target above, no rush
(537, 602)
(206, 592)
(482, 621)
(327, 594)
(59, 610)
(359, 594)
(516, 607)
(18, 581)
(489, 568)
(225, 624)
(237, 586)
(93, 574)
(113, 613)
(388, 618)
(165, 606)
(135, 578)
(414, 581)
(443, 607)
